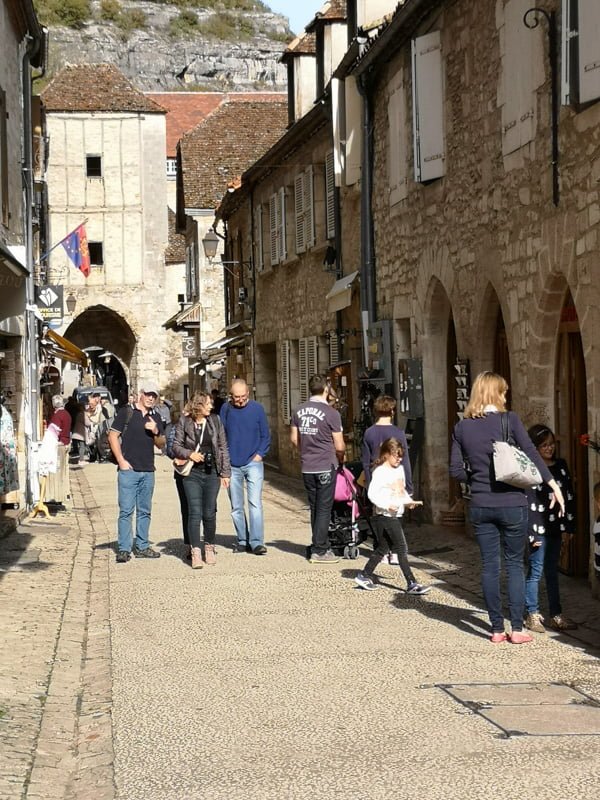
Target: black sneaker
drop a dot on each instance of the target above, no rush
(260, 550)
(417, 588)
(241, 548)
(123, 556)
(147, 553)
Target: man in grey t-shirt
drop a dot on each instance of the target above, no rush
(316, 431)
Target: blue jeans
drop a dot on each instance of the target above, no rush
(544, 559)
(201, 490)
(135, 494)
(253, 474)
(502, 531)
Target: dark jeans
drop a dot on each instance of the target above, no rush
(320, 489)
(390, 536)
(183, 505)
(544, 559)
(201, 490)
(502, 531)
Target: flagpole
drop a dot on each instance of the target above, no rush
(47, 253)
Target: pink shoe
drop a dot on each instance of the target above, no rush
(497, 638)
(518, 637)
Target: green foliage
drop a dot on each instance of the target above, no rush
(186, 24)
(110, 10)
(72, 13)
(132, 19)
(227, 27)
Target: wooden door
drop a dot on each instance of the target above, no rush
(454, 492)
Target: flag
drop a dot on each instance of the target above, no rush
(76, 247)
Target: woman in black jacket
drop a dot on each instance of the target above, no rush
(201, 438)
(498, 511)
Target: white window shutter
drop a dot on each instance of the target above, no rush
(589, 50)
(309, 208)
(398, 183)
(286, 411)
(299, 213)
(329, 196)
(259, 261)
(428, 83)
(312, 356)
(273, 228)
(303, 369)
(282, 246)
(334, 348)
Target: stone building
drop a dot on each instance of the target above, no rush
(107, 168)
(22, 45)
(210, 156)
(485, 217)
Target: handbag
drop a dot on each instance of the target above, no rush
(185, 468)
(511, 464)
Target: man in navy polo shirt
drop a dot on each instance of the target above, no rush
(134, 433)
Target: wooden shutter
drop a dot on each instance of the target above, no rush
(284, 353)
(430, 157)
(4, 209)
(589, 50)
(282, 246)
(398, 184)
(259, 259)
(309, 210)
(303, 369)
(299, 213)
(334, 348)
(329, 196)
(312, 356)
(274, 228)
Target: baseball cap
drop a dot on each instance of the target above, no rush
(149, 386)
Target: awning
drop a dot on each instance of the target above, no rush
(340, 294)
(13, 274)
(190, 317)
(227, 342)
(64, 349)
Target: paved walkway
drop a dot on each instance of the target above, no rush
(267, 677)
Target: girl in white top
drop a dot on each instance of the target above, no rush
(387, 492)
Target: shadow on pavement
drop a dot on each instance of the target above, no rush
(17, 555)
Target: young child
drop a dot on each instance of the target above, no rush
(387, 492)
(596, 530)
(546, 529)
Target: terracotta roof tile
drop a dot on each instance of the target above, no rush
(334, 9)
(305, 44)
(96, 87)
(175, 252)
(186, 109)
(222, 147)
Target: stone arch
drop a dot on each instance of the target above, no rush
(485, 346)
(100, 325)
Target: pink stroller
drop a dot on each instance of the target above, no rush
(344, 533)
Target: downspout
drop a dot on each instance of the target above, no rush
(367, 267)
(252, 267)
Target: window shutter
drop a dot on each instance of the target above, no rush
(398, 184)
(286, 411)
(4, 209)
(589, 50)
(309, 212)
(282, 248)
(312, 356)
(259, 259)
(299, 213)
(273, 228)
(303, 369)
(330, 196)
(430, 157)
(334, 348)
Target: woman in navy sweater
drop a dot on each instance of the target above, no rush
(498, 512)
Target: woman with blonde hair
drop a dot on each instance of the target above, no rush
(498, 511)
(200, 437)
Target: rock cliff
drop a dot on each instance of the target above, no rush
(172, 48)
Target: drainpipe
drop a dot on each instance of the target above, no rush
(367, 250)
(252, 267)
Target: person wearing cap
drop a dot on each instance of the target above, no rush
(134, 433)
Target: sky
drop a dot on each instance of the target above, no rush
(300, 12)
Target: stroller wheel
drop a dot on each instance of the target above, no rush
(353, 552)
(347, 552)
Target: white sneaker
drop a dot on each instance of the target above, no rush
(393, 559)
(365, 582)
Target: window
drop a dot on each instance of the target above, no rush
(4, 208)
(522, 64)
(304, 210)
(96, 254)
(259, 258)
(171, 168)
(277, 229)
(581, 51)
(397, 173)
(428, 107)
(308, 363)
(93, 166)
(329, 196)
(286, 395)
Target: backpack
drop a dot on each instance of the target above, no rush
(170, 441)
(128, 416)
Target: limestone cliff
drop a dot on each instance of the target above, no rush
(165, 46)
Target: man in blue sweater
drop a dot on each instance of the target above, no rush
(248, 437)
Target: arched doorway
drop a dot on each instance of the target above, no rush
(570, 412)
(110, 343)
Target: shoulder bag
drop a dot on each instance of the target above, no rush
(182, 467)
(128, 415)
(511, 464)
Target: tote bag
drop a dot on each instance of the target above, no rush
(511, 464)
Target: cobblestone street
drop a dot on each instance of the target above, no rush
(269, 678)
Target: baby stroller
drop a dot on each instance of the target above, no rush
(345, 532)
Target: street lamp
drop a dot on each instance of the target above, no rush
(210, 243)
(71, 302)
